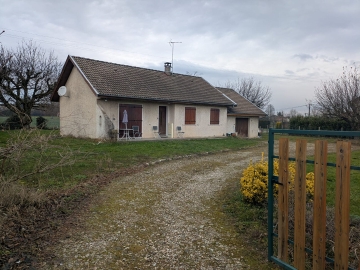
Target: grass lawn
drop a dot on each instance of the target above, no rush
(91, 157)
(354, 183)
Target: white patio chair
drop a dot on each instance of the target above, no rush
(156, 132)
(136, 132)
(180, 133)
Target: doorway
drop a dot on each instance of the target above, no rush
(162, 120)
(242, 127)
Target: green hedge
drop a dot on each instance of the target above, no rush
(316, 122)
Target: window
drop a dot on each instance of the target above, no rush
(214, 116)
(190, 116)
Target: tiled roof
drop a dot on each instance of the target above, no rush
(121, 81)
(244, 106)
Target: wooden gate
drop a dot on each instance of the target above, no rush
(303, 257)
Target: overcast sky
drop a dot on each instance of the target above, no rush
(291, 46)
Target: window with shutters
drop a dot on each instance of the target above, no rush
(190, 115)
(214, 116)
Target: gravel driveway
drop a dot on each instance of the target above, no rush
(160, 218)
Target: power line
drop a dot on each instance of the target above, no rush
(294, 107)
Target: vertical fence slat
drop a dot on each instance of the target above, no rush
(319, 226)
(300, 201)
(283, 202)
(342, 204)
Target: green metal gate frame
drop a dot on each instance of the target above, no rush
(272, 180)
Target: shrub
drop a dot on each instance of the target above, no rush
(254, 181)
(41, 122)
(13, 122)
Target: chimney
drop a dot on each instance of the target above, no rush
(167, 66)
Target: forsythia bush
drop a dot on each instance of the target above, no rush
(254, 181)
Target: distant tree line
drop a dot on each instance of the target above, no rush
(51, 110)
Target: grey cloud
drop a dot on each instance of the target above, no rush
(327, 58)
(303, 56)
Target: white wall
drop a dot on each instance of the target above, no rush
(231, 123)
(78, 108)
(253, 124)
(202, 128)
(175, 117)
(253, 127)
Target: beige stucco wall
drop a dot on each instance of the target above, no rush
(107, 114)
(231, 122)
(78, 108)
(202, 128)
(253, 125)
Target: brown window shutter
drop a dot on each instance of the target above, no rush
(214, 116)
(190, 115)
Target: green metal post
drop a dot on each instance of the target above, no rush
(270, 194)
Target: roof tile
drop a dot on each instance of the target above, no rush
(124, 81)
(244, 106)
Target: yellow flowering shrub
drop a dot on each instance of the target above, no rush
(254, 181)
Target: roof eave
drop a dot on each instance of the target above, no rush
(64, 76)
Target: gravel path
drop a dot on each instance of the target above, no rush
(160, 218)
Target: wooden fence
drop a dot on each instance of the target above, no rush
(342, 207)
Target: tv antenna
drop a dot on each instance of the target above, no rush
(172, 44)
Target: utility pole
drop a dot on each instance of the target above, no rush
(172, 44)
(309, 105)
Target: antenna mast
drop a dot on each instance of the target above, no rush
(172, 44)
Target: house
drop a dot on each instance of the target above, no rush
(242, 119)
(93, 96)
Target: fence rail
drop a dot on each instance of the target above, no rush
(342, 202)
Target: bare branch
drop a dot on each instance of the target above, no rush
(340, 98)
(252, 90)
(27, 78)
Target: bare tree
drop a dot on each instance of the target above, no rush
(252, 90)
(293, 113)
(270, 110)
(340, 98)
(27, 78)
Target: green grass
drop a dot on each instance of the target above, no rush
(91, 157)
(354, 183)
(250, 223)
(52, 123)
(331, 184)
